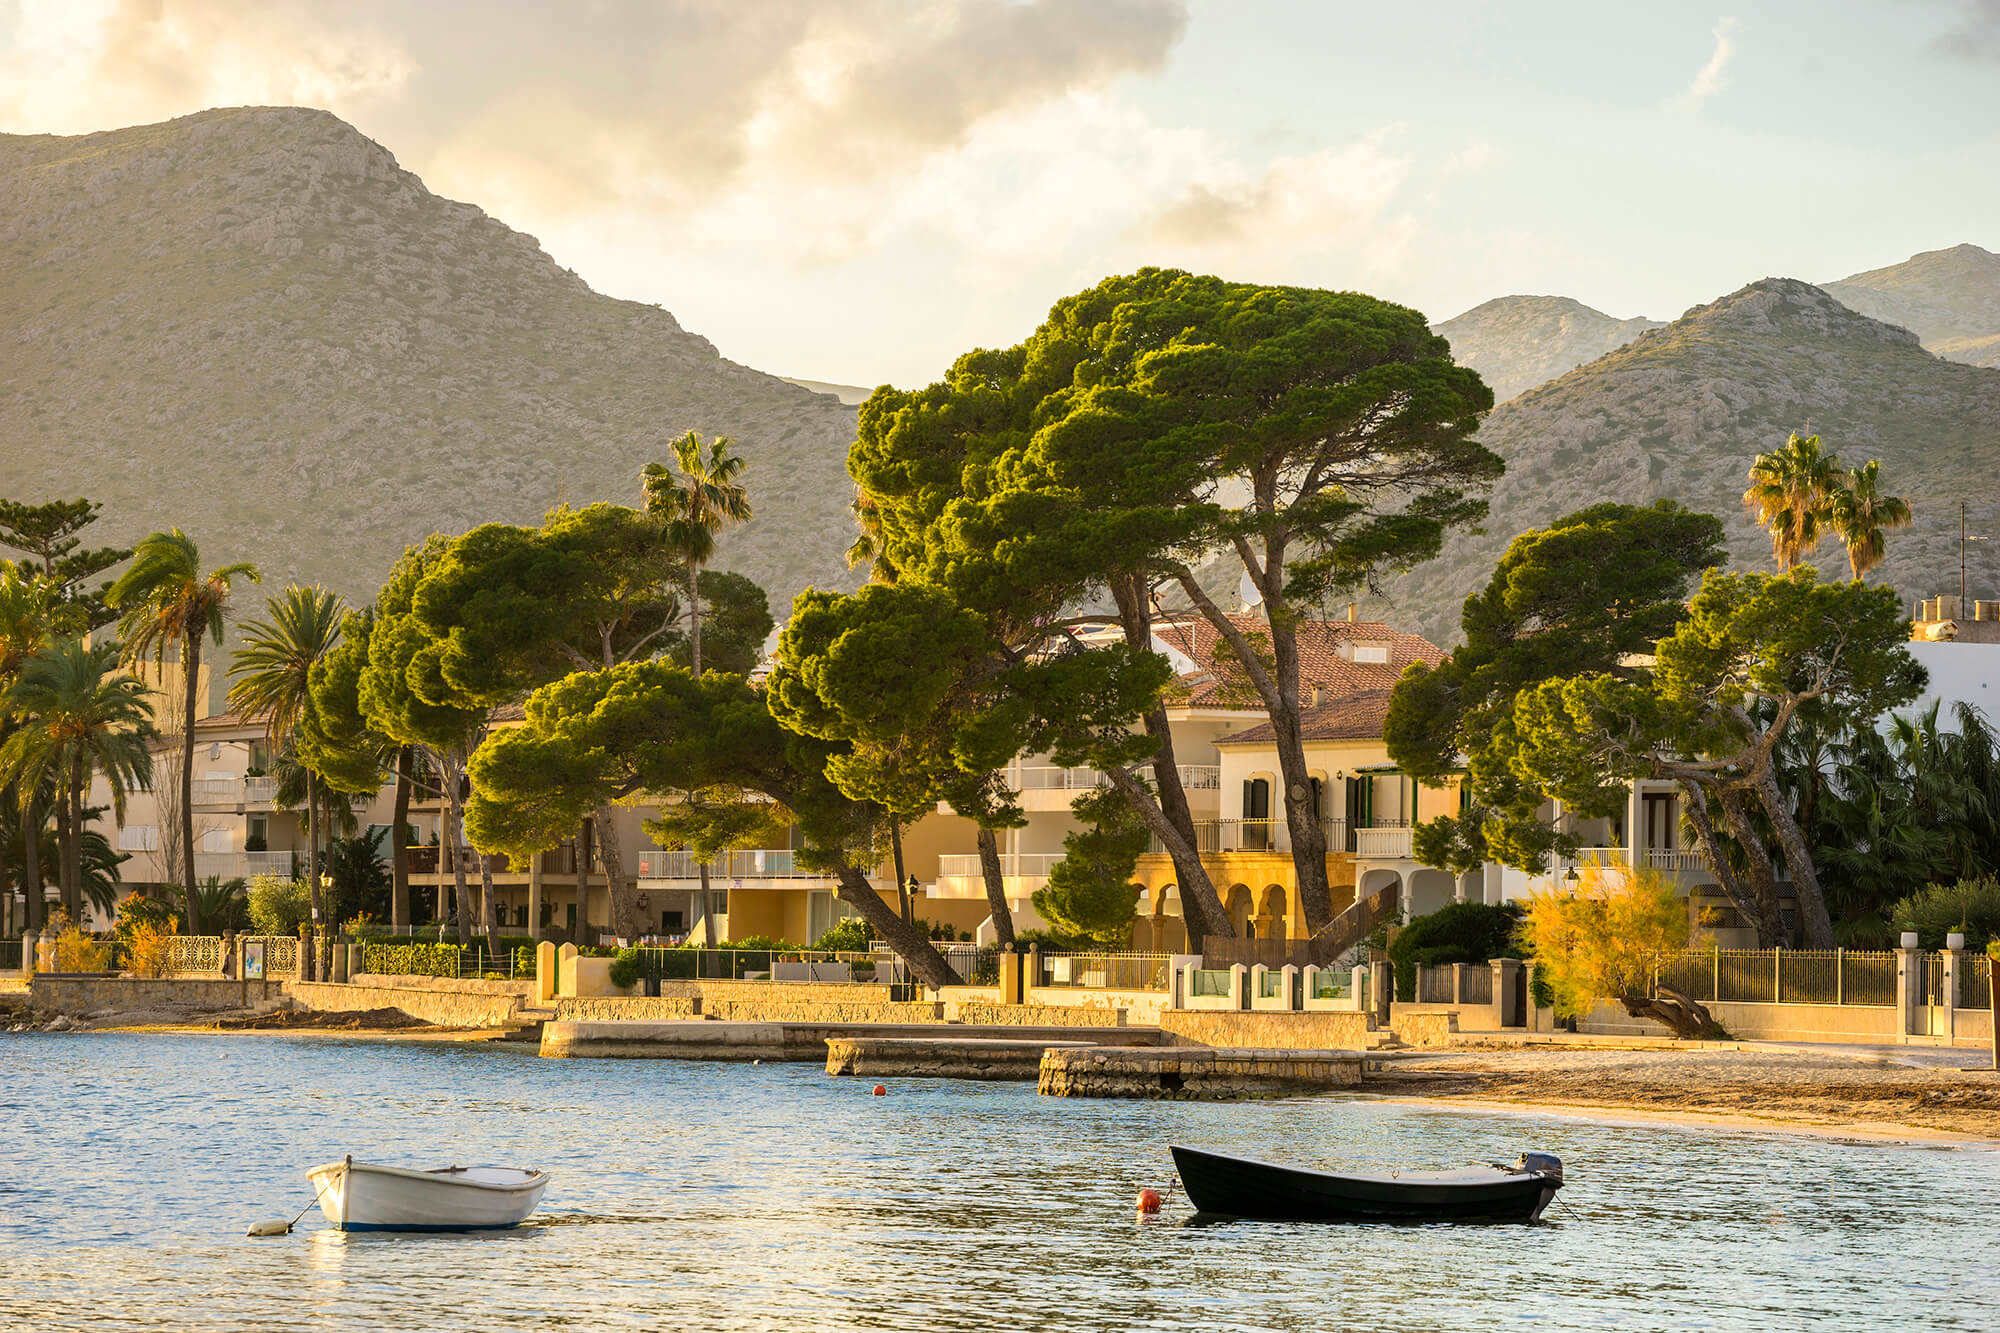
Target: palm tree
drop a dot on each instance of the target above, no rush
(1862, 517)
(694, 505)
(80, 716)
(272, 671)
(25, 605)
(168, 602)
(1790, 492)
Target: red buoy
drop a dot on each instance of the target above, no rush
(1149, 1201)
(881, 1091)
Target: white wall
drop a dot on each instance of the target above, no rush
(1960, 672)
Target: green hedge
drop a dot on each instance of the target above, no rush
(1456, 933)
(411, 960)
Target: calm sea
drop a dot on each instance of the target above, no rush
(711, 1196)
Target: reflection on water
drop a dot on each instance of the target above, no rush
(742, 1197)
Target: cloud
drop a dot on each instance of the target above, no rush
(1708, 80)
(1295, 205)
(1976, 35)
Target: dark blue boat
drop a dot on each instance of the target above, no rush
(1226, 1186)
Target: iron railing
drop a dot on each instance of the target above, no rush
(1212, 837)
(1478, 984)
(1108, 971)
(1434, 986)
(1783, 976)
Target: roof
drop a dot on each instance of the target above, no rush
(1351, 717)
(1220, 682)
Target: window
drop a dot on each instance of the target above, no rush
(1371, 652)
(1257, 798)
(215, 840)
(139, 838)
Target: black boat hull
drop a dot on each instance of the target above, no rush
(1240, 1187)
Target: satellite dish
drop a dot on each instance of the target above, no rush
(1247, 591)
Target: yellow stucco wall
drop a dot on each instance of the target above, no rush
(1260, 889)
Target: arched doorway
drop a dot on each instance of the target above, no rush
(1429, 890)
(1242, 911)
(1273, 922)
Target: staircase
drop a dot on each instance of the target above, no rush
(1352, 926)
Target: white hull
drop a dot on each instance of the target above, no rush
(360, 1196)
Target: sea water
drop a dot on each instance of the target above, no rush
(736, 1196)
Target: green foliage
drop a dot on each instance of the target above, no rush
(62, 565)
(1580, 597)
(360, 880)
(1455, 933)
(625, 968)
(138, 912)
(735, 621)
(848, 935)
(273, 667)
(411, 960)
(223, 904)
(1937, 910)
(1090, 892)
(278, 905)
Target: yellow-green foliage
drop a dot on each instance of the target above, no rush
(146, 946)
(1607, 938)
(77, 950)
(277, 904)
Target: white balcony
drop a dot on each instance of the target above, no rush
(738, 865)
(1382, 844)
(1212, 837)
(243, 865)
(260, 791)
(235, 791)
(1020, 874)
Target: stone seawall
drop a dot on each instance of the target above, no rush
(630, 1008)
(77, 997)
(524, 988)
(1285, 1030)
(1038, 1015)
(445, 1003)
(991, 1059)
(780, 1010)
(714, 992)
(1178, 1073)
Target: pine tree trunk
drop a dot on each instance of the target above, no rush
(996, 888)
(1301, 818)
(399, 851)
(312, 848)
(454, 840)
(1769, 921)
(1711, 844)
(486, 905)
(708, 940)
(902, 884)
(583, 853)
(910, 944)
(1813, 918)
(1215, 921)
(612, 857)
(191, 672)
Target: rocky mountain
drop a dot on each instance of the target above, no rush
(1948, 298)
(1681, 411)
(254, 325)
(1517, 342)
(851, 394)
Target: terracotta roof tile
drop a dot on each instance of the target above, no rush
(1352, 717)
(1219, 681)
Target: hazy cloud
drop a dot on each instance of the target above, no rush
(1976, 35)
(1708, 80)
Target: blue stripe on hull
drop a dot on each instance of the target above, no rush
(392, 1226)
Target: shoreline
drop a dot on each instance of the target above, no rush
(1860, 1131)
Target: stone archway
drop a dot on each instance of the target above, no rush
(1428, 891)
(1273, 921)
(1242, 909)
(1374, 881)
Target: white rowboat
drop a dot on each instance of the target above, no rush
(362, 1196)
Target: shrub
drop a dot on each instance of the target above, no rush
(1937, 910)
(76, 949)
(1607, 939)
(1457, 933)
(847, 935)
(146, 946)
(625, 969)
(411, 960)
(278, 905)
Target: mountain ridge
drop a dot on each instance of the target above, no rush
(1518, 342)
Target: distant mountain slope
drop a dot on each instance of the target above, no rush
(1681, 412)
(253, 324)
(1948, 298)
(1517, 342)
(851, 394)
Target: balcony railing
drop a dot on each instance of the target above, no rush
(260, 789)
(755, 863)
(1212, 837)
(234, 790)
(1382, 844)
(242, 865)
(1051, 777)
(1014, 865)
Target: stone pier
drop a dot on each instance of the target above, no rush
(1185, 1073)
(989, 1058)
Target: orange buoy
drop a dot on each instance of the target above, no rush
(881, 1091)
(1149, 1201)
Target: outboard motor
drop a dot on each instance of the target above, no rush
(1539, 1163)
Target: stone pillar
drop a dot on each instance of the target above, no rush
(30, 941)
(545, 973)
(1458, 983)
(1910, 983)
(1506, 976)
(1357, 989)
(1257, 974)
(337, 962)
(566, 970)
(1291, 984)
(1031, 971)
(1010, 976)
(1239, 986)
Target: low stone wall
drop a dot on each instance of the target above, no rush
(599, 1008)
(1298, 1030)
(779, 993)
(524, 987)
(779, 1010)
(992, 1059)
(51, 994)
(1430, 1030)
(1138, 1006)
(451, 1004)
(700, 1039)
(1181, 1074)
(1038, 1015)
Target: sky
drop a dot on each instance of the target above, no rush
(860, 190)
